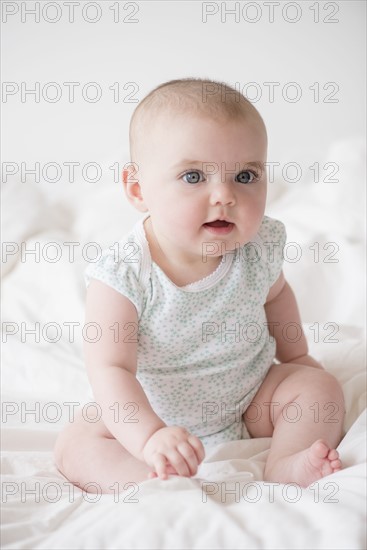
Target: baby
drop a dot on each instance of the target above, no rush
(201, 339)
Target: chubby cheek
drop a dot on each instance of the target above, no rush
(255, 207)
(185, 219)
(250, 219)
(252, 216)
(184, 211)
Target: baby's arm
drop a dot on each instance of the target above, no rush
(281, 308)
(111, 366)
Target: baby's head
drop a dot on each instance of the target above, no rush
(189, 97)
(199, 148)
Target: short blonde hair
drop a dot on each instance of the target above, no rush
(204, 97)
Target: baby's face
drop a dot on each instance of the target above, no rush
(193, 170)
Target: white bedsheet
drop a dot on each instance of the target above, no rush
(227, 505)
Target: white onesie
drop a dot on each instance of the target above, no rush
(203, 349)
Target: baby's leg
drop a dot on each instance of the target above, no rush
(303, 409)
(86, 452)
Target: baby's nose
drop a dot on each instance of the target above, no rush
(222, 193)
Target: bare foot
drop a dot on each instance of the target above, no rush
(306, 466)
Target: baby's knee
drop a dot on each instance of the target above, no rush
(317, 381)
(330, 383)
(313, 386)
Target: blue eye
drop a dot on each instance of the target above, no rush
(192, 177)
(246, 177)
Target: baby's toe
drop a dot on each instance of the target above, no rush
(333, 454)
(320, 448)
(336, 465)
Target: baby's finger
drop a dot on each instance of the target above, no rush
(179, 463)
(197, 446)
(170, 470)
(189, 454)
(159, 464)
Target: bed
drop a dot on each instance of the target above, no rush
(226, 505)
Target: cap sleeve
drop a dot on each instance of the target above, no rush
(120, 270)
(273, 236)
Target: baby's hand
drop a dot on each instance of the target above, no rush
(173, 450)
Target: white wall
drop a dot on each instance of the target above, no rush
(170, 40)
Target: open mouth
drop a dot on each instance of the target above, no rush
(219, 227)
(218, 223)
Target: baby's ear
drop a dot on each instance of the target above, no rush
(129, 173)
(132, 186)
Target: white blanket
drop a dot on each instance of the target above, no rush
(227, 505)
